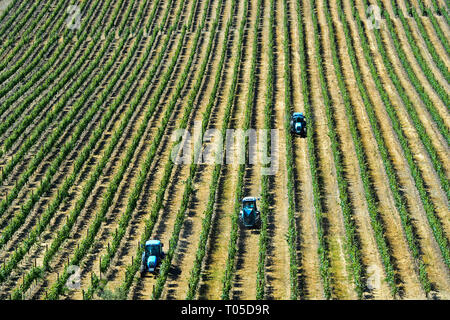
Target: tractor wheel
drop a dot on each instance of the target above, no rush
(142, 270)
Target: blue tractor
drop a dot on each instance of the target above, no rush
(298, 124)
(249, 215)
(152, 257)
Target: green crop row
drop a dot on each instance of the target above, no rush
(441, 11)
(29, 118)
(134, 195)
(399, 199)
(7, 11)
(249, 104)
(35, 19)
(441, 92)
(67, 38)
(25, 37)
(438, 30)
(431, 49)
(265, 196)
(414, 81)
(150, 223)
(31, 49)
(132, 201)
(423, 9)
(132, 269)
(11, 70)
(37, 132)
(62, 192)
(437, 164)
(411, 110)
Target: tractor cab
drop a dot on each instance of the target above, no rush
(152, 256)
(298, 124)
(249, 214)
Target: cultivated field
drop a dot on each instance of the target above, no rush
(92, 93)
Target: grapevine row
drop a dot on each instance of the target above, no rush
(441, 92)
(415, 82)
(38, 37)
(54, 88)
(431, 49)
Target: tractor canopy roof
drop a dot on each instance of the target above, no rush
(248, 199)
(153, 243)
(297, 115)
